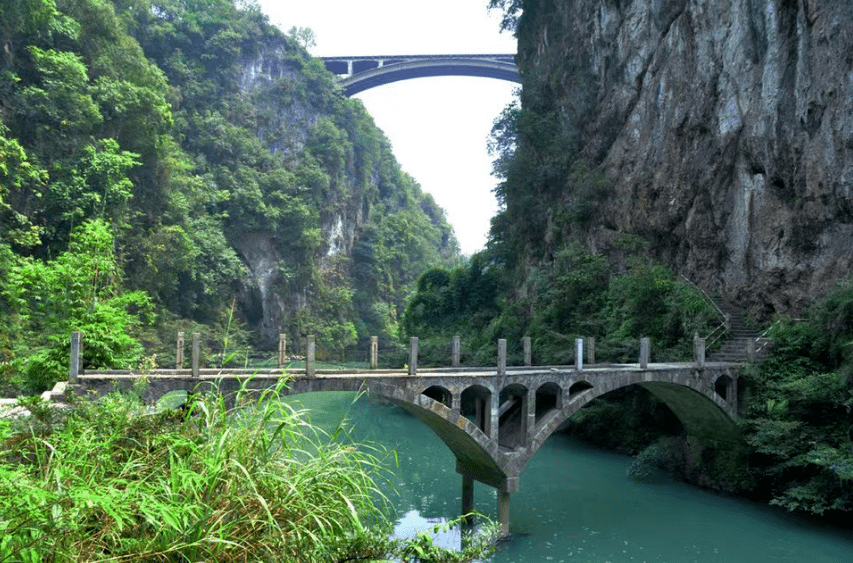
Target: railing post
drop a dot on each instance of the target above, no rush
(282, 350)
(528, 355)
(700, 351)
(413, 355)
(590, 350)
(74, 367)
(579, 354)
(179, 351)
(195, 354)
(502, 356)
(750, 350)
(644, 353)
(310, 356)
(456, 352)
(374, 352)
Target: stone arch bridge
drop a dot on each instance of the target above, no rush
(493, 421)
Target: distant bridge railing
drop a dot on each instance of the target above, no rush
(362, 73)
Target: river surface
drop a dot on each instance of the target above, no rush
(577, 504)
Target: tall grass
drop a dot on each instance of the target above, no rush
(107, 481)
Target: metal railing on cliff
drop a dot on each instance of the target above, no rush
(718, 332)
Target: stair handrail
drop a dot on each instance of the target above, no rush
(723, 327)
(762, 341)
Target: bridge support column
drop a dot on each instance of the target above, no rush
(467, 495)
(750, 351)
(503, 513)
(282, 350)
(530, 423)
(494, 415)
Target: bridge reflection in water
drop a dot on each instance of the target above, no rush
(492, 419)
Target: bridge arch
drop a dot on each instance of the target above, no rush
(363, 73)
(702, 412)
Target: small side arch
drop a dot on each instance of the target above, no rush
(549, 397)
(512, 416)
(440, 394)
(724, 386)
(476, 406)
(579, 387)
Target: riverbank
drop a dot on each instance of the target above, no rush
(112, 480)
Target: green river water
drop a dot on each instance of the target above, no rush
(577, 504)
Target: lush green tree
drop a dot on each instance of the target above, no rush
(79, 290)
(798, 420)
(135, 112)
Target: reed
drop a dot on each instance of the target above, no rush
(110, 481)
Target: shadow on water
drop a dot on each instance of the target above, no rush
(577, 503)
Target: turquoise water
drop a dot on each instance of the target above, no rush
(577, 504)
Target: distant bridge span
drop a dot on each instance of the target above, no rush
(362, 73)
(493, 421)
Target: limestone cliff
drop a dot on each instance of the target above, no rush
(346, 184)
(725, 128)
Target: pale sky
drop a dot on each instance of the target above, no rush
(437, 126)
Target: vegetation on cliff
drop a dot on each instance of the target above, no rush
(551, 152)
(138, 122)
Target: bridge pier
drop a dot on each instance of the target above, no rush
(467, 495)
(503, 513)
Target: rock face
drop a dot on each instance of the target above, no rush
(726, 128)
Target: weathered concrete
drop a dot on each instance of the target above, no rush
(493, 422)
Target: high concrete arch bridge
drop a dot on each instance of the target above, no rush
(362, 73)
(493, 420)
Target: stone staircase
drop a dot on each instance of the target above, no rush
(734, 349)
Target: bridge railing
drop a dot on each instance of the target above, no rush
(306, 361)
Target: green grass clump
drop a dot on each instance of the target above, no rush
(109, 481)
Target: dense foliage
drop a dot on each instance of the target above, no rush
(208, 145)
(108, 481)
(798, 418)
(573, 296)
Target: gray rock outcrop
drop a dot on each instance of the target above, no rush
(726, 128)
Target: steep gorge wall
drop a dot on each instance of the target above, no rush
(725, 127)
